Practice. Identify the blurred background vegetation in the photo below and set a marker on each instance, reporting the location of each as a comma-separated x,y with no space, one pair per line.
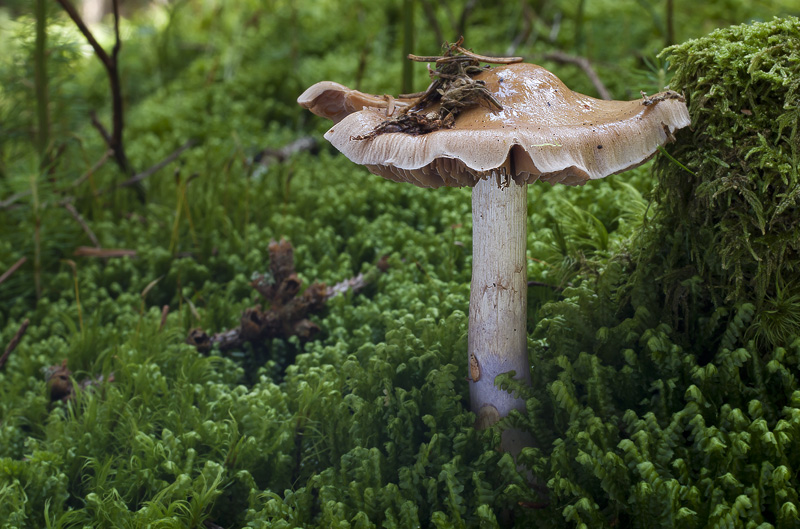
366,424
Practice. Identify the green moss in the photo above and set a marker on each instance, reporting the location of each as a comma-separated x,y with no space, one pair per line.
731,216
665,383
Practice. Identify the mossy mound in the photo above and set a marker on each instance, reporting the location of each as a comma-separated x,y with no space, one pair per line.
730,214
665,388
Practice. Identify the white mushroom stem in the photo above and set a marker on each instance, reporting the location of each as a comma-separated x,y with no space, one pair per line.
498,303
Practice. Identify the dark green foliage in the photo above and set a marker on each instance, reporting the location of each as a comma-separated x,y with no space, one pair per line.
731,215
667,379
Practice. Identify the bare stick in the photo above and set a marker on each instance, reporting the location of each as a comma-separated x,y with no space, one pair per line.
87,251
14,342
93,169
13,198
269,156
76,17
101,129
160,165
111,63
584,64
164,312
467,55
490,60
13,269
86,229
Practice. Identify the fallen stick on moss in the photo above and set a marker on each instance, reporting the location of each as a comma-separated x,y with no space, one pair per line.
288,310
157,167
88,251
268,156
80,220
14,342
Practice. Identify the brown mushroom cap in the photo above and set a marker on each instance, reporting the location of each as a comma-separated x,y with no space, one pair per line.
335,101
544,131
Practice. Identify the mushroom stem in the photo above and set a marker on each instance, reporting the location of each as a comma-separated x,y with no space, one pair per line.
498,303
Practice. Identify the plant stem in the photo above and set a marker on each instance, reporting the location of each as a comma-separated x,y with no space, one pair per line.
408,45
40,74
498,304
670,16
580,39
37,243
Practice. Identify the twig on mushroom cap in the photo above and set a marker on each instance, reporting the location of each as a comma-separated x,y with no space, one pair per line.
453,88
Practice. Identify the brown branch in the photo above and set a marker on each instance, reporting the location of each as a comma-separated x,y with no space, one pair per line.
269,156
14,342
288,310
87,251
116,96
491,60
102,130
164,313
86,229
13,198
93,169
354,284
584,64
111,64
157,167
13,269
76,18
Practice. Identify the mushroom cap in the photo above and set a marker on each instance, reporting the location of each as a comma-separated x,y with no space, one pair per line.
335,101
545,131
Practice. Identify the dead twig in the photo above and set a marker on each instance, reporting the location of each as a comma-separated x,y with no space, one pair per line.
487,59
87,251
13,269
268,156
13,198
93,169
111,64
453,87
164,313
101,129
584,64
14,342
288,309
86,229
157,167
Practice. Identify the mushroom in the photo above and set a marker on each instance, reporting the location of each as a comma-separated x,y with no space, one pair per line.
543,131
